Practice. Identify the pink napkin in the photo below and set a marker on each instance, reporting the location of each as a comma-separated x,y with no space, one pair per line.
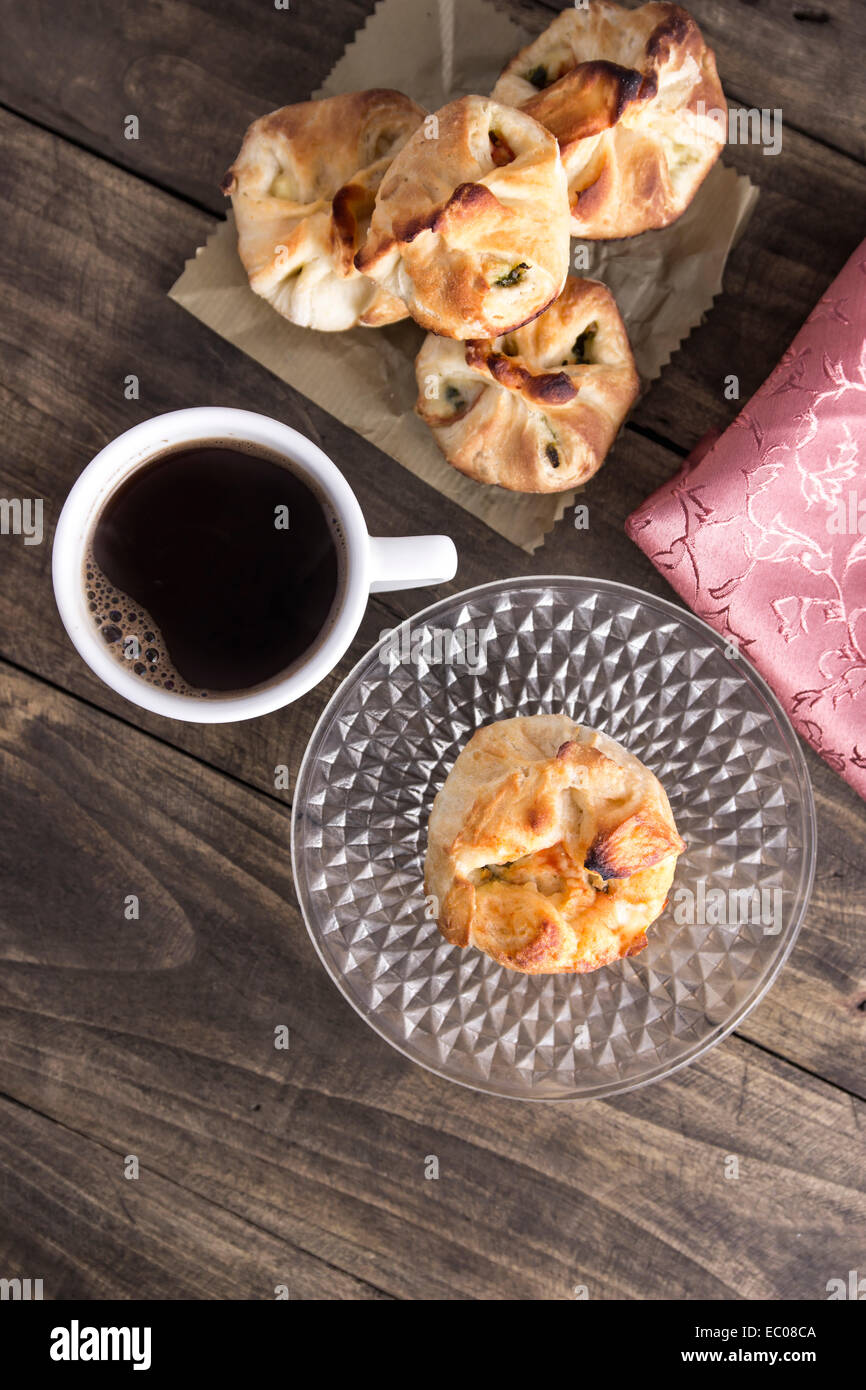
763,532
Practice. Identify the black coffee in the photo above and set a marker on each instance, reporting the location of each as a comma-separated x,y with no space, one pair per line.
212,569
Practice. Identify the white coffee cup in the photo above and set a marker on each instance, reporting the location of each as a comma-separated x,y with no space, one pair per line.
371,563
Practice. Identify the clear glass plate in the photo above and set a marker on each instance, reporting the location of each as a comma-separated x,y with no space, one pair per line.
661,682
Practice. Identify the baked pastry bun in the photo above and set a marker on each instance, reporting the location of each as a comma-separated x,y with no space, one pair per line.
303,189
550,847
471,223
535,410
621,91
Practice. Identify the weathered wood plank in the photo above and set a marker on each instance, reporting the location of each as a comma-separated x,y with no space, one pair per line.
146,1238
196,74
160,1033
156,1038
69,340
187,70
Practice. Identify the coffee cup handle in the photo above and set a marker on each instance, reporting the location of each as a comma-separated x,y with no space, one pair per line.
410,562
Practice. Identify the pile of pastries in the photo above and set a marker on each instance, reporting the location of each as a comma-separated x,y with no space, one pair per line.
364,209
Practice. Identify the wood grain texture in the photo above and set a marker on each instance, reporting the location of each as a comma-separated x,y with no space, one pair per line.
156,1038
102,1235
158,1035
71,339
197,73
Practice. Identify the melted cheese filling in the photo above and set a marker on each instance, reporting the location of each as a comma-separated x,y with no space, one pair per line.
551,871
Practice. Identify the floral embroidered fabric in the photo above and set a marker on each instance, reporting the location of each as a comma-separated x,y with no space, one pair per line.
763,532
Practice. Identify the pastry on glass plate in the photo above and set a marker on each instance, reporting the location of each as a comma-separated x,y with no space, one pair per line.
535,410
629,95
303,188
471,223
550,847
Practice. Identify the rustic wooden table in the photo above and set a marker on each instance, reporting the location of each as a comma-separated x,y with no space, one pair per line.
155,1038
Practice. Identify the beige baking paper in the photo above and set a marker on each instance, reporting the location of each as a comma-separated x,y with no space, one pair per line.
664,281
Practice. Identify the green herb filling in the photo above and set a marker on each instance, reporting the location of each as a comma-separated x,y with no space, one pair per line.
583,343
512,276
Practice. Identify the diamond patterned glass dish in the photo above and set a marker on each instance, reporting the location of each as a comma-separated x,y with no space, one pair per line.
659,681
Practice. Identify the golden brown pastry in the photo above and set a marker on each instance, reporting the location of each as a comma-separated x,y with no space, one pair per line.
303,189
471,223
538,409
622,92
550,847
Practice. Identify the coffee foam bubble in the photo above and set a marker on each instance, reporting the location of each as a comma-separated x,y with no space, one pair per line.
130,634
127,629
